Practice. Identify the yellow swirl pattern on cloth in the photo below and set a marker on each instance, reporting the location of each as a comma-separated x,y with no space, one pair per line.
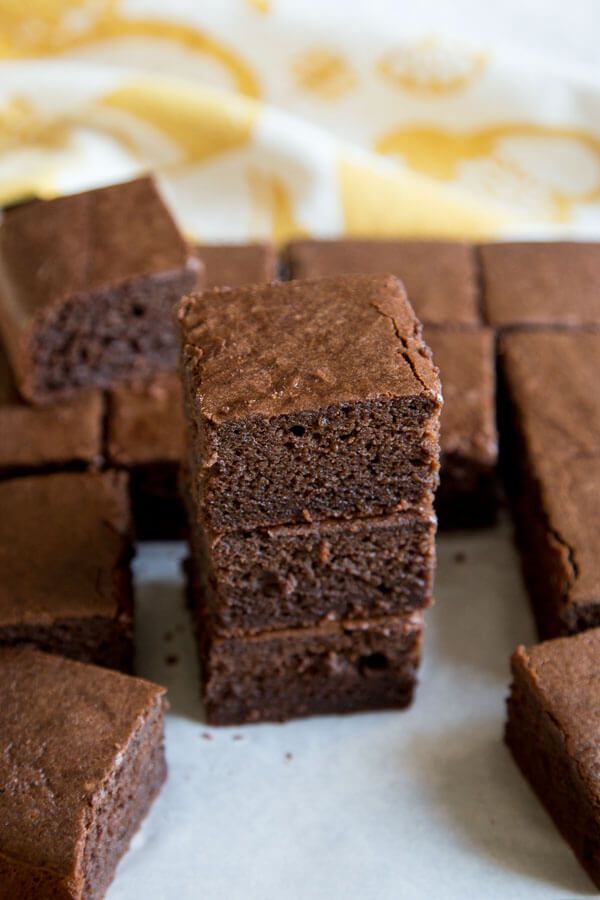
261,123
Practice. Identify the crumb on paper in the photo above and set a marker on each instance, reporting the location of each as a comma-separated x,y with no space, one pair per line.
206,736
288,757
460,557
172,659
237,737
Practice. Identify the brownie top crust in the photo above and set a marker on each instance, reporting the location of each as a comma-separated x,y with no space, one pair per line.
145,421
270,350
552,381
569,494
65,727
466,362
440,276
63,538
236,264
538,283
564,676
36,437
84,243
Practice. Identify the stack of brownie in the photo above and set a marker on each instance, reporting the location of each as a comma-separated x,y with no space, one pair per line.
313,413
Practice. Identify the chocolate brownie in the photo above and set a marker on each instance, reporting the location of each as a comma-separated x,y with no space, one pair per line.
467,493
293,576
145,434
34,439
235,264
335,667
81,761
87,286
550,403
308,400
553,732
65,548
558,522
440,277
530,283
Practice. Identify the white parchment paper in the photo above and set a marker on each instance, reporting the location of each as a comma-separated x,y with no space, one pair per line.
389,806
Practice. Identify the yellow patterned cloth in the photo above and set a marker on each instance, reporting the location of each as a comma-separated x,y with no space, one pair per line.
265,117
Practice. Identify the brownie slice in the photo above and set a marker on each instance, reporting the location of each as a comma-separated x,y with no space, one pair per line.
308,400
145,434
547,284
37,439
467,495
300,575
550,402
65,548
81,761
87,286
440,276
335,667
558,522
232,265
553,732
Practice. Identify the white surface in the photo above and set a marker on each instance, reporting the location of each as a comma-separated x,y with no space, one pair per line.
391,806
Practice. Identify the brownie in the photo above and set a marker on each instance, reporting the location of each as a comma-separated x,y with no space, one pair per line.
145,435
87,286
558,522
553,732
440,276
550,403
467,495
36,439
81,761
308,400
291,576
65,548
547,284
335,667
235,264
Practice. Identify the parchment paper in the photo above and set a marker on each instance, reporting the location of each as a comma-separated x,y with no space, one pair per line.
410,805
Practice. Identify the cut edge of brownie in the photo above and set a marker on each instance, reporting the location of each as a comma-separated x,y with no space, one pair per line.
299,576
539,747
330,669
127,333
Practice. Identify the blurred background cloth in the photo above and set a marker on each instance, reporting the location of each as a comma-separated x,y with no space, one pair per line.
278,118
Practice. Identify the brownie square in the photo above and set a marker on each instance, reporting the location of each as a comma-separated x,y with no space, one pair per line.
65,548
558,522
37,439
333,668
551,284
308,400
232,265
553,732
145,434
81,761
550,403
440,277
297,576
467,495
87,286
